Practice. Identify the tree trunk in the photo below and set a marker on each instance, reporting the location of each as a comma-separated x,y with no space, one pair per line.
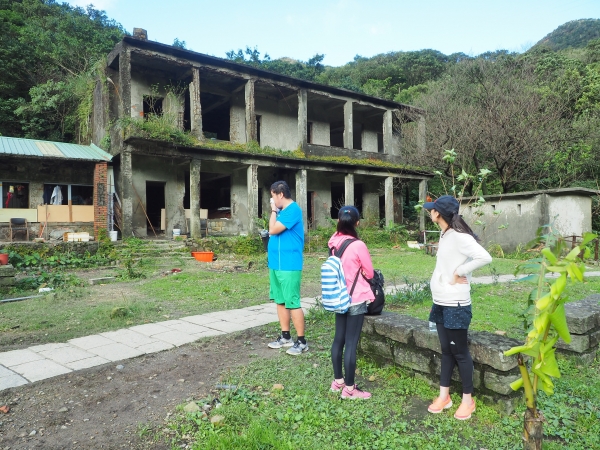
533,430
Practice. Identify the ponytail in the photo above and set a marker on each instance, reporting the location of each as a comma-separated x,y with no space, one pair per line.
457,223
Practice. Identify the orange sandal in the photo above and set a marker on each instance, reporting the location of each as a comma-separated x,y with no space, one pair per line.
465,411
439,405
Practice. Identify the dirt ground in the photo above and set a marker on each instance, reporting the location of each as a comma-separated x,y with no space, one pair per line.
107,408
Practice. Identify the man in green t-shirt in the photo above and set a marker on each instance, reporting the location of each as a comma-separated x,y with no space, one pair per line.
286,244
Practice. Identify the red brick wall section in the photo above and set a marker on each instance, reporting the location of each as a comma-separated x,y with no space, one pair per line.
100,197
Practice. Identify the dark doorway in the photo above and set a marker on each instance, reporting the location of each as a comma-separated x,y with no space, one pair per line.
382,210
310,214
338,198
215,194
155,201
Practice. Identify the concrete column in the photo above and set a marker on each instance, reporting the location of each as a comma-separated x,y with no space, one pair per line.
250,112
195,106
387,132
252,177
195,227
127,194
349,189
302,196
422,197
302,117
389,201
348,125
370,202
421,141
125,81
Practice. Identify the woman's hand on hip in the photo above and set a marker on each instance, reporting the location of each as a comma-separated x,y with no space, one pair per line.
457,279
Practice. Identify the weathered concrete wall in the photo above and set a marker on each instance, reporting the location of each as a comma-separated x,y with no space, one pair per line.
141,84
239,202
321,133
573,214
369,141
161,170
522,214
53,230
370,205
279,124
321,186
237,119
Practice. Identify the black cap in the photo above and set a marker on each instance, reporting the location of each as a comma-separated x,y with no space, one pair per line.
350,211
446,205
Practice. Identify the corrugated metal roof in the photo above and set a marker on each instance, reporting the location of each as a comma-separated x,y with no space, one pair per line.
47,149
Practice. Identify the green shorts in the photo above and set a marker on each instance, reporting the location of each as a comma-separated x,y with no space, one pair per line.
285,287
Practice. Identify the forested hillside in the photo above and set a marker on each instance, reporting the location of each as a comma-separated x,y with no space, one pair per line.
48,52
532,119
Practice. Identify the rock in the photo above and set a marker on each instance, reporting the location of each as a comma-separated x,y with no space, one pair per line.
217,421
277,387
33,433
63,427
191,407
500,333
372,378
206,407
63,409
120,367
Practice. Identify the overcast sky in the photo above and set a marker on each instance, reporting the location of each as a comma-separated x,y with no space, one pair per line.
342,29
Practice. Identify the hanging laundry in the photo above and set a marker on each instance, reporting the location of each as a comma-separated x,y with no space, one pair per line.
57,197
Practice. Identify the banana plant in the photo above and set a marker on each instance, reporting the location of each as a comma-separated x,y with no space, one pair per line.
546,322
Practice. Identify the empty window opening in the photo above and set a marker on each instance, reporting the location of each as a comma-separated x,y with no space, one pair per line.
258,123
215,116
155,202
310,216
380,148
309,132
338,198
336,134
519,208
153,106
15,194
81,195
215,194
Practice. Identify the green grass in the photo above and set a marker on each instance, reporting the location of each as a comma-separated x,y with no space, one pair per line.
305,415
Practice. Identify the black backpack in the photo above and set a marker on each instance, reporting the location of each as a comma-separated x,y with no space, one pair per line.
375,307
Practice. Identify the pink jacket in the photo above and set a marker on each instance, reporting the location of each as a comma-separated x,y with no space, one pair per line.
356,256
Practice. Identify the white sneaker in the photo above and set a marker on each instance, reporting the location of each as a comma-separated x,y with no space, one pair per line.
297,349
281,342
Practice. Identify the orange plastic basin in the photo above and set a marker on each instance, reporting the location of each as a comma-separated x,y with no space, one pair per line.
203,256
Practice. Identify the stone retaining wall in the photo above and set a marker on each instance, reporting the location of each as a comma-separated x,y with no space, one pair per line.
407,342
7,276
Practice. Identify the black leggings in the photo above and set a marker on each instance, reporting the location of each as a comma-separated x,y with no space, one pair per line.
455,350
347,333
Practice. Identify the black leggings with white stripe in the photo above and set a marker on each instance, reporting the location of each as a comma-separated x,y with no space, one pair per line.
455,351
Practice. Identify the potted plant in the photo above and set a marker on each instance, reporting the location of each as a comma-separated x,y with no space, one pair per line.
3,258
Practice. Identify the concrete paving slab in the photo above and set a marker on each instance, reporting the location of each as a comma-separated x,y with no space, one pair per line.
242,318
157,346
87,363
115,351
89,342
185,327
201,319
128,337
66,354
4,372
149,329
17,357
209,333
44,347
175,337
227,327
40,370
12,381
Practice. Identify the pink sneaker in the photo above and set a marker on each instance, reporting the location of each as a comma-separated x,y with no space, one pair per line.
355,393
336,387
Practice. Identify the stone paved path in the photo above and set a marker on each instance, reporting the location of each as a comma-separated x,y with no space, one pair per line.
18,367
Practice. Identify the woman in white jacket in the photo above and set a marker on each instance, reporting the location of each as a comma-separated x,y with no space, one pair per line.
458,255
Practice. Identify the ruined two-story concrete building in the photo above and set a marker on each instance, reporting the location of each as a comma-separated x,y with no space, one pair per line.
332,146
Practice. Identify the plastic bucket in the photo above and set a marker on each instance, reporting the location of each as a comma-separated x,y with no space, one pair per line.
203,256
113,235
176,232
3,259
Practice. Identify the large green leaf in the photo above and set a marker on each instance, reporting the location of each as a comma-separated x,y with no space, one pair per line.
559,322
